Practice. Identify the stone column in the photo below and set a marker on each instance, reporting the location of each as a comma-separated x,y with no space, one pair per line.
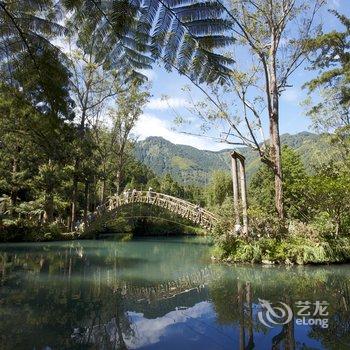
243,195
235,188
239,187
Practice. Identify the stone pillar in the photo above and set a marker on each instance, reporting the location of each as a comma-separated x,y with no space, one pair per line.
235,189
243,195
238,170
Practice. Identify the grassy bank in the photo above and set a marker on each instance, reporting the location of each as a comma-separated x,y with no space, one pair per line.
292,249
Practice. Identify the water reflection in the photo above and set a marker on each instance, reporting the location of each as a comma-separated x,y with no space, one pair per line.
158,293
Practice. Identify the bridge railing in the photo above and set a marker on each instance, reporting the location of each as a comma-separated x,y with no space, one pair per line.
185,209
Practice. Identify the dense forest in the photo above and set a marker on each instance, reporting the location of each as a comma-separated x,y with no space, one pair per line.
72,89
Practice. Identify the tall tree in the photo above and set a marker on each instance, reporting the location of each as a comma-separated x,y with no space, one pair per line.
271,34
92,86
129,104
34,150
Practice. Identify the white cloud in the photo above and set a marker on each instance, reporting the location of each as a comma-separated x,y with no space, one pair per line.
149,125
149,331
291,95
162,104
146,331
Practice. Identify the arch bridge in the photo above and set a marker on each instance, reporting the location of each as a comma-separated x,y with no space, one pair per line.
192,212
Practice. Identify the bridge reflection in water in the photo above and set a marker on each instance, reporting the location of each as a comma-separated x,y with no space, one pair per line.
192,212
196,288
157,294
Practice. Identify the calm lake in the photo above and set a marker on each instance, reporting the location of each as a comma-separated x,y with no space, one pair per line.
164,293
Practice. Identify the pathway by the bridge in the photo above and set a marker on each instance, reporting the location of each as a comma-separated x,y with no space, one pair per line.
192,212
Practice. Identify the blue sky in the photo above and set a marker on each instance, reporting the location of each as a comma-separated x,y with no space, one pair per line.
158,118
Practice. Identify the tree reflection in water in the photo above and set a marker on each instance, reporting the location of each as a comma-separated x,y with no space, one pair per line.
106,295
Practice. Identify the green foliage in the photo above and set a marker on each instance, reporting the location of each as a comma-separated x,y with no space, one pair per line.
261,190
119,224
219,188
293,249
137,34
56,167
154,183
262,223
169,186
160,227
23,230
322,222
317,207
330,190
181,163
27,27
332,59
295,182
38,169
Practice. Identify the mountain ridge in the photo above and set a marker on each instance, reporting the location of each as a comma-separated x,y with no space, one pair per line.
190,165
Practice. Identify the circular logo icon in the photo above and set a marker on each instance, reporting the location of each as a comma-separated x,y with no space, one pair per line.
271,316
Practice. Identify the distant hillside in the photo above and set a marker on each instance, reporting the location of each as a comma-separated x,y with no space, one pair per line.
191,165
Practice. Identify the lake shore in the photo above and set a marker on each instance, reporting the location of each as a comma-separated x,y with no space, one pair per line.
292,250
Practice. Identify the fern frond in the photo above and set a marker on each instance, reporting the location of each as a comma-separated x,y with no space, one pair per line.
183,34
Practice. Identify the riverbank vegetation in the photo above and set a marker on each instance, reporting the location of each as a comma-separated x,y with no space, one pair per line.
317,224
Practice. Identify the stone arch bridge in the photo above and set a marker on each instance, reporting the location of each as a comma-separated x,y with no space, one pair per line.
192,212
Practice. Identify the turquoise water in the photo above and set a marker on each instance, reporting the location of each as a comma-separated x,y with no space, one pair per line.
164,293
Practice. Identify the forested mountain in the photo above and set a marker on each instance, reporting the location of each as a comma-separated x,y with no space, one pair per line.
191,165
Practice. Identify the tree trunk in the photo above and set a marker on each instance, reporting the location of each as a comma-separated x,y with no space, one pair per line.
277,165
74,195
49,207
103,191
118,181
275,142
74,204
120,168
81,132
92,195
86,201
13,194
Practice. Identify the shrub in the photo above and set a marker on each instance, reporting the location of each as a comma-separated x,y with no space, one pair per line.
322,223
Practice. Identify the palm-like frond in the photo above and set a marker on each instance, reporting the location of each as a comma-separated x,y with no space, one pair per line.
26,27
183,34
